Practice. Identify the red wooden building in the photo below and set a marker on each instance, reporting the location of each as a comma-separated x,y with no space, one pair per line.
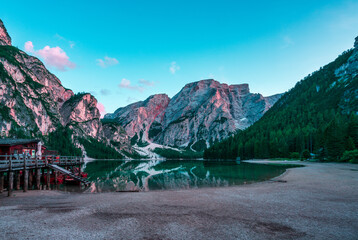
11,146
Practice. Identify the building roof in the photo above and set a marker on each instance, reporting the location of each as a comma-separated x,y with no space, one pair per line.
15,141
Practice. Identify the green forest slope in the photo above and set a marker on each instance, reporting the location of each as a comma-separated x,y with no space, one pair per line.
317,116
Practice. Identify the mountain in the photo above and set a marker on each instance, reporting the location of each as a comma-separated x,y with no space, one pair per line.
137,118
200,114
5,38
33,103
317,116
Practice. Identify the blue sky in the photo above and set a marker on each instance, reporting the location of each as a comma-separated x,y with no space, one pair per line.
125,51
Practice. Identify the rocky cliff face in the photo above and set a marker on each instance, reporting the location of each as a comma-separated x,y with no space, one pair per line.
29,92
5,39
137,118
201,113
348,80
117,136
34,103
80,113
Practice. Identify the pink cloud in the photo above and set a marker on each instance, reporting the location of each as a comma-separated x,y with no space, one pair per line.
53,56
29,47
101,108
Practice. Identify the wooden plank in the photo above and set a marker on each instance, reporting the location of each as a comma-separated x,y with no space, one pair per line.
66,172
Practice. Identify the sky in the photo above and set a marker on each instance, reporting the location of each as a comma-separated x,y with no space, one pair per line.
125,51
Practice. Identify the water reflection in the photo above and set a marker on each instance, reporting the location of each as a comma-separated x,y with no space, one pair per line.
159,175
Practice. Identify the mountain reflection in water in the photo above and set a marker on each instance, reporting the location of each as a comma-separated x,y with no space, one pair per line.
146,175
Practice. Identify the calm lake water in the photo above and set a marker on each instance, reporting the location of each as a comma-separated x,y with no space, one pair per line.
146,175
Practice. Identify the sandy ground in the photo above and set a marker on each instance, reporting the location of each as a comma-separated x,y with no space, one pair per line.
319,201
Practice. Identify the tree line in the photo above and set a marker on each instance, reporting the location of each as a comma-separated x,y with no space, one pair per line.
315,119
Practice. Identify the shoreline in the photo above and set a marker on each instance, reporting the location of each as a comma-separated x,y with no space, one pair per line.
316,201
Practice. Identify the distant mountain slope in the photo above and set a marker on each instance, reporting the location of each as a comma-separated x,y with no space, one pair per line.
200,114
318,115
138,117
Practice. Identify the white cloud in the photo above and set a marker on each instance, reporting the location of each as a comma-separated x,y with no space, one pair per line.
174,67
52,56
59,37
105,92
287,41
146,83
125,83
131,100
72,44
141,86
106,62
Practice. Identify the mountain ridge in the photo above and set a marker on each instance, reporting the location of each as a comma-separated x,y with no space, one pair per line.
183,121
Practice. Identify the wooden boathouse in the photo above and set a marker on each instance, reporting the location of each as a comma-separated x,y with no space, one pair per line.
27,164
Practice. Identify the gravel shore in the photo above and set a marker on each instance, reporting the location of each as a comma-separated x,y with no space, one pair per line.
318,201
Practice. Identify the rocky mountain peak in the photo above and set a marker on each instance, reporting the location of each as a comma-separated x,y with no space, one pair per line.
201,113
356,42
241,88
5,39
158,98
202,84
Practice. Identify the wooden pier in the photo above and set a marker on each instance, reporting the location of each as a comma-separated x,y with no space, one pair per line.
35,173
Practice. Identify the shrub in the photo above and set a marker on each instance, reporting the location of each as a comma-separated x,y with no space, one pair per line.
295,155
305,154
350,156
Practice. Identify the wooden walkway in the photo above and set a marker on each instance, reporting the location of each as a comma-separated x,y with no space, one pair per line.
22,170
66,172
16,162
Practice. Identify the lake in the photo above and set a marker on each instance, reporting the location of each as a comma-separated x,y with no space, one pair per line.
148,175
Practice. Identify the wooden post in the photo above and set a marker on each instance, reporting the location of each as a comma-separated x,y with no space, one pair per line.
38,178
43,178
10,178
56,176
26,176
1,182
31,175
48,178
37,173
17,180
10,183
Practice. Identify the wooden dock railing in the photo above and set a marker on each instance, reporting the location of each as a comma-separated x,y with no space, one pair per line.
22,168
17,162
